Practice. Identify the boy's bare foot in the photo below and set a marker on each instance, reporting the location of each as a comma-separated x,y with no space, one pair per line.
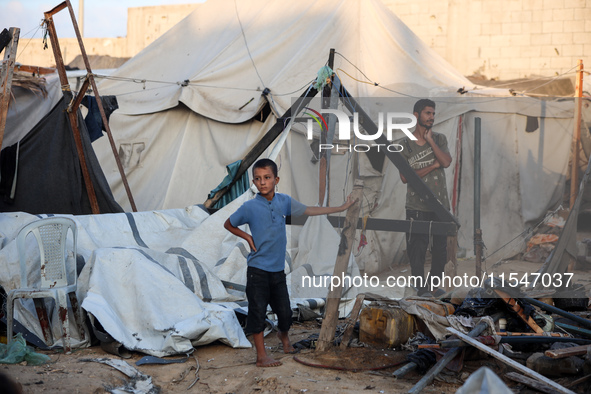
268,361
284,338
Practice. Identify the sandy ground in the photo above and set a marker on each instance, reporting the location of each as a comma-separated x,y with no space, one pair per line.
221,370
226,370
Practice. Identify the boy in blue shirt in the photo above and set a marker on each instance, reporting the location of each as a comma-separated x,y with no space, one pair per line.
265,276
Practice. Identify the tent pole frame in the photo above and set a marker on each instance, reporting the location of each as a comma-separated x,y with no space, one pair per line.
61,69
73,108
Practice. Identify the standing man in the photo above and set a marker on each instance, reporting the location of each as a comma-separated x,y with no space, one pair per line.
428,156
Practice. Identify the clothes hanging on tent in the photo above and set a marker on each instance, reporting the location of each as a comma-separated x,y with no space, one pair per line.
93,120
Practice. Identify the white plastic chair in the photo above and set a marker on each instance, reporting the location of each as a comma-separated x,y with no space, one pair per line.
51,234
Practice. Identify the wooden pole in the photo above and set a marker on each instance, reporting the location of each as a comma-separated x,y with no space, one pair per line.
539,386
34,69
99,102
350,322
72,116
574,178
6,78
567,352
329,323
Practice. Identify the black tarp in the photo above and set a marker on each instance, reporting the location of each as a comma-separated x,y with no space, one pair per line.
49,176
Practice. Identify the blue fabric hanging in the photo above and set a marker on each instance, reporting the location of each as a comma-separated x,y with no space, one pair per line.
239,187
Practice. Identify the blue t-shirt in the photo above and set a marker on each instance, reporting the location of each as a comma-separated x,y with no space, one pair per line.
266,220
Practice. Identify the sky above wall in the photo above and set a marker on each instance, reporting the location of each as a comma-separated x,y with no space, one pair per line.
102,18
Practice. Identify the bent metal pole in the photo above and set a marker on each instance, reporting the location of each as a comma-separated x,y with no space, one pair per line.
61,70
90,78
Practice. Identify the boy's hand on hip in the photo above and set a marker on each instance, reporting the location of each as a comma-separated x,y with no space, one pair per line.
251,243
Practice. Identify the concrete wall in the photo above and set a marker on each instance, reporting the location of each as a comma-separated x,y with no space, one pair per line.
31,52
503,39
144,25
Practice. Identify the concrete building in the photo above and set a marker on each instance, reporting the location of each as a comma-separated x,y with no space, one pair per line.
501,39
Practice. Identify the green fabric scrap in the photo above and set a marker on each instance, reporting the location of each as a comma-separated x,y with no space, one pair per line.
239,187
323,74
17,351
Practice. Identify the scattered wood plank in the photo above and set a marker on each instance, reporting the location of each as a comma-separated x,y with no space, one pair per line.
519,378
351,320
514,305
578,381
515,365
567,352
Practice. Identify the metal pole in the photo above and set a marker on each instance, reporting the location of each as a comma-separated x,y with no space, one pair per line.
99,102
477,174
477,148
550,308
574,178
478,251
61,69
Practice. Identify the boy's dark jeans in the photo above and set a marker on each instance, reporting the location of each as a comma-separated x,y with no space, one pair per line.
266,288
416,248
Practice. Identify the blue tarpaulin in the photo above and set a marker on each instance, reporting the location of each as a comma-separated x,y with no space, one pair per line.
237,188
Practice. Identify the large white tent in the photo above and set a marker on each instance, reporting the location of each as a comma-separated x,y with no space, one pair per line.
189,105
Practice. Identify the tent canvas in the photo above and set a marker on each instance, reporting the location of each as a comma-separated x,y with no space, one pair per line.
41,172
184,116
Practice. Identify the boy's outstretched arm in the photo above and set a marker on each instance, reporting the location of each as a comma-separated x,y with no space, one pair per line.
315,211
239,233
